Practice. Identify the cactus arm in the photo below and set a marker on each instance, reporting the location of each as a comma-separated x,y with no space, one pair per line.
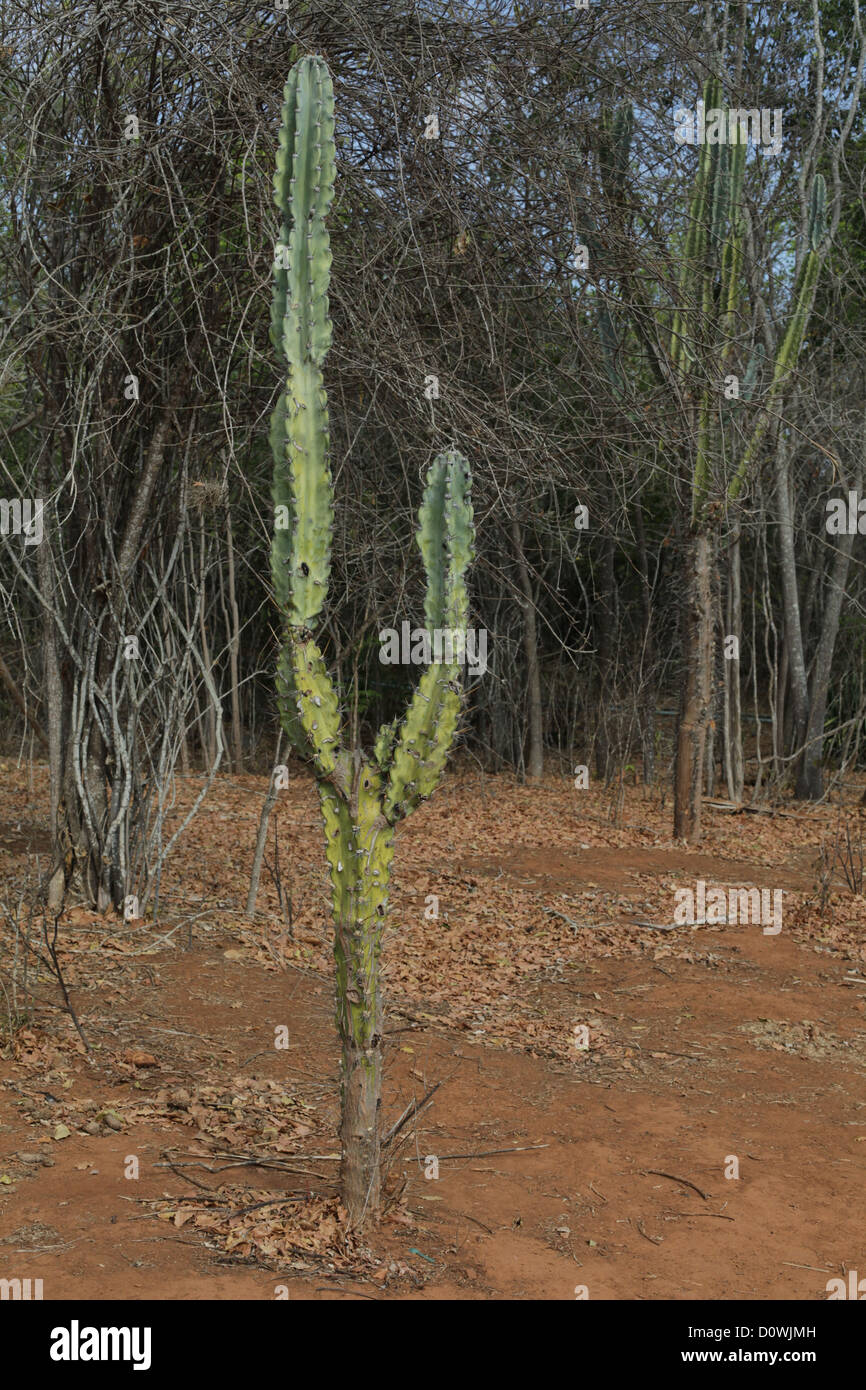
623,129
615,148
423,741
282,198
732,253
445,537
304,681
303,191
789,348
383,748
458,540
300,553
747,387
694,254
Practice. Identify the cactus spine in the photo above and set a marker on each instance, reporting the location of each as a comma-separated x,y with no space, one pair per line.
362,798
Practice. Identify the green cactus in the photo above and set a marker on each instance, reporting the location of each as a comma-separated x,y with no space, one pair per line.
701,348
362,798
788,351
709,297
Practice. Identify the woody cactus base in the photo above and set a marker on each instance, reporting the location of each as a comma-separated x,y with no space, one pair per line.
362,796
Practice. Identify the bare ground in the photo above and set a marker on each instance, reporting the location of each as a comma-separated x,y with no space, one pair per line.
712,1052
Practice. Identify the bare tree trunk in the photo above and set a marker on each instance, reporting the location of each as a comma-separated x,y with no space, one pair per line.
261,838
209,741
535,760
695,712
604,622
734,765
810,772
783,718
647,653
53,699
234,650
791,600
710,760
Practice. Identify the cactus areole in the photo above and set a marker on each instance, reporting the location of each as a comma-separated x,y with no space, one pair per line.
362,796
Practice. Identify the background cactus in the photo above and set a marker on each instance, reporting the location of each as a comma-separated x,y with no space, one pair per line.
700,351
361,797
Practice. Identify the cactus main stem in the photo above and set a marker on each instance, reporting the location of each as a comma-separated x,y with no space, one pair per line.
359,1025
359,844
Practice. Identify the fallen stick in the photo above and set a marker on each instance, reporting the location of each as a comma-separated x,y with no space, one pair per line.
673,1178
490,1153
720,1215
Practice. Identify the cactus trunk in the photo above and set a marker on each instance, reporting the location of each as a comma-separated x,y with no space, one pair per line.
361,797
359,847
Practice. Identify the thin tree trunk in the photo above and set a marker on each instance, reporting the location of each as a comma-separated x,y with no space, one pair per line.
791,601
604,621
734,764
647,653
234,650
783,718
210,716
535,760
262,836
810,772
53,700
695,712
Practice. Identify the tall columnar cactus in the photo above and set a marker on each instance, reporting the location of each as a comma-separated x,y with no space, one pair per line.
700,350
362,797
702,345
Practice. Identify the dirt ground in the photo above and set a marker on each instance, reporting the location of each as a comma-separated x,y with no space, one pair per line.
708,1142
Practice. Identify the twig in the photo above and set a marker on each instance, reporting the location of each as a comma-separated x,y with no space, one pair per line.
656,1240
51,947
720,1215
464,1216
413,1108
489,1153
673,1178
184,1176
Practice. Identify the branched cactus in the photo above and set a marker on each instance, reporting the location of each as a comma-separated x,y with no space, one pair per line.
701,351
710,296
362,797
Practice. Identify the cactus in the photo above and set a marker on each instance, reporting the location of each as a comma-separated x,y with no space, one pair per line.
700,349
362,797
709,290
